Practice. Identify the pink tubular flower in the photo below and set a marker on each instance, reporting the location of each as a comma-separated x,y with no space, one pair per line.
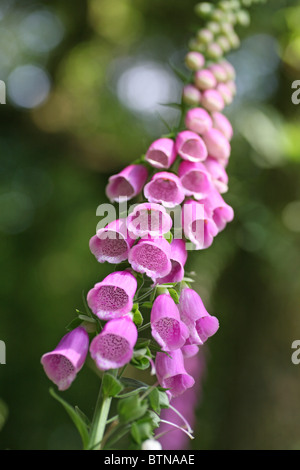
198,120
212,100
191,95
167,328
218,209
113,347
191,147
63,364
113,297
198,224
217,145
222,124
195,179
204,79
171,373
178,259
151,257
126,184
200,323
164,188
218,174
149,220
194,60
112,243
161,153
189,350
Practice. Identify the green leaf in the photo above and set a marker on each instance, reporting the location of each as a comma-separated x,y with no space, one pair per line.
163,399
77,420
171,105
141,430
132,383
147,304
174,294
74,324
131,408
154,400
111,385
140,352
83,416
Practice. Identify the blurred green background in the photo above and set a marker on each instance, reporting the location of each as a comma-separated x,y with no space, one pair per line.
84,82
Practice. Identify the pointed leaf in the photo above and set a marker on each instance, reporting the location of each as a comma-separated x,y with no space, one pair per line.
111,385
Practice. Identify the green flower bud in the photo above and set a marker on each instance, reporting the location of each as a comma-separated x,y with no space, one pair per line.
205,36
243,18
214,27
214,51
223,43
195,45
204,9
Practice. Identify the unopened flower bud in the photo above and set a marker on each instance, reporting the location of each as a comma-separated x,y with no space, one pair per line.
219,72
191,95
214,51
225,92
224,43
194,60
205,36
243,18
204,9
198,120
204,79
212,100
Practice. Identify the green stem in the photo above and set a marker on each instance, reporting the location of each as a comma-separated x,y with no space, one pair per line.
100,417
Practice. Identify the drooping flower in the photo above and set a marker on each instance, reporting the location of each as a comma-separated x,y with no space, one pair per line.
198,120
190,146
167,328
112,243
198,224
126,184
218,209
200,323
113,297
217,145
63,363
151,256
178,259
149,220
113,347
161,153
218,174
195,179
171,373
164,188
189,350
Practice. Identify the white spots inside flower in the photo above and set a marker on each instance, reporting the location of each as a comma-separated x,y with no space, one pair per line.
167,328
163,189
111,298
112,347
60,370
112,244
151,257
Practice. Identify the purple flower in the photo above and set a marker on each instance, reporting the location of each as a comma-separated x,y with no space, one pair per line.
164,188
161,153
218,174
198,224
222,124
178,259
212,100
191,95
112,243
217,145
126,184
191,147
113,297
149,219
189,350
151,257
63,364
167,328
195,179
198,120
171,373
218,209
200,323
113,347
